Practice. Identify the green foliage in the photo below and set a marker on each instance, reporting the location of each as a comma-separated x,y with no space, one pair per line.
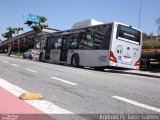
7,35
18,29
29,23
37,27
42,19
11,31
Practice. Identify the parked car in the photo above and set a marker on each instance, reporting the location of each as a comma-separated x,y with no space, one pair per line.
29,54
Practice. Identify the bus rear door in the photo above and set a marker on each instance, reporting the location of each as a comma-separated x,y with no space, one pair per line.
64,49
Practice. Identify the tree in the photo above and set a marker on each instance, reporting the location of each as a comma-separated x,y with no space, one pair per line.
9,33
158,25
37,26
18,29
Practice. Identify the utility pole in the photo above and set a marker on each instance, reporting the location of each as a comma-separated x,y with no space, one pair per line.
158,24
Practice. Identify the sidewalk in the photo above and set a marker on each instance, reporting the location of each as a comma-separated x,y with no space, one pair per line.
15,56
137,72
12,108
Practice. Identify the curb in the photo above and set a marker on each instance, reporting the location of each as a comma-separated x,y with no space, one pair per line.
132,73
11,56
15,56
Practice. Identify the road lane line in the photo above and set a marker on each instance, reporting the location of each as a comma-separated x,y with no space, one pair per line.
31,70
137,103
4,61
65,81
15,65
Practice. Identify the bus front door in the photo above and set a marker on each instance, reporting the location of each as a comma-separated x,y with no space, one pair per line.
64,50
48,48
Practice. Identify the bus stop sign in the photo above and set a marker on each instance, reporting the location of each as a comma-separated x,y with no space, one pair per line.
33,18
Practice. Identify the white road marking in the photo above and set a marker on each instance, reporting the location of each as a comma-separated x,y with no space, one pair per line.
11,88
43,105
4,61
65,81
137,103
47,107
15,65
31,70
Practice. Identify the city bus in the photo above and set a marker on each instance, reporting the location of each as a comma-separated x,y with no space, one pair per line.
99,46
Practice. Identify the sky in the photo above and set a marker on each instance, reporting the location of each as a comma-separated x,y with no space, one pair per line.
62,14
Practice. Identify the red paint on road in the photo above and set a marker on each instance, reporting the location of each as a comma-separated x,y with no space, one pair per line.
10,104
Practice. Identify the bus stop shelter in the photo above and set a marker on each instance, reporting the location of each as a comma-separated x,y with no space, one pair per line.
23,41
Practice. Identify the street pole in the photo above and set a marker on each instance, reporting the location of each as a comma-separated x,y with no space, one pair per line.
13,44
18,46
41,38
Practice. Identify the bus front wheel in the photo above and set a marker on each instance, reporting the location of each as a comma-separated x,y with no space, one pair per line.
75,60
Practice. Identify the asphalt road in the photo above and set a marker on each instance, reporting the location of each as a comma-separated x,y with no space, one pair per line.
84,91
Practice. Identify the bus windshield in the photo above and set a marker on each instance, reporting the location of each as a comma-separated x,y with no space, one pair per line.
128,33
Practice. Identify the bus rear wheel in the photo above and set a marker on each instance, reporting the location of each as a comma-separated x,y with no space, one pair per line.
99,68
75,60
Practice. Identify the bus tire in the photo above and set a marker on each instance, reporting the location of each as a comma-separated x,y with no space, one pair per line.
41,57
99,68
75,60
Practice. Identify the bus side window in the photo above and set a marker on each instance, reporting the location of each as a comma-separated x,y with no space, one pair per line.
81,40
73,44
58,43
106,37
74,41
89,41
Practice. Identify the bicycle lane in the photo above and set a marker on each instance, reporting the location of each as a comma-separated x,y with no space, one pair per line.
12,107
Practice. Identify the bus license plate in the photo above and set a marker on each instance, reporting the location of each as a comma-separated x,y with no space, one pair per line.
126,59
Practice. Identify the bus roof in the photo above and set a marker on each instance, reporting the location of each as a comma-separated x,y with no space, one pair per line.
68,30
127,26
86,23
